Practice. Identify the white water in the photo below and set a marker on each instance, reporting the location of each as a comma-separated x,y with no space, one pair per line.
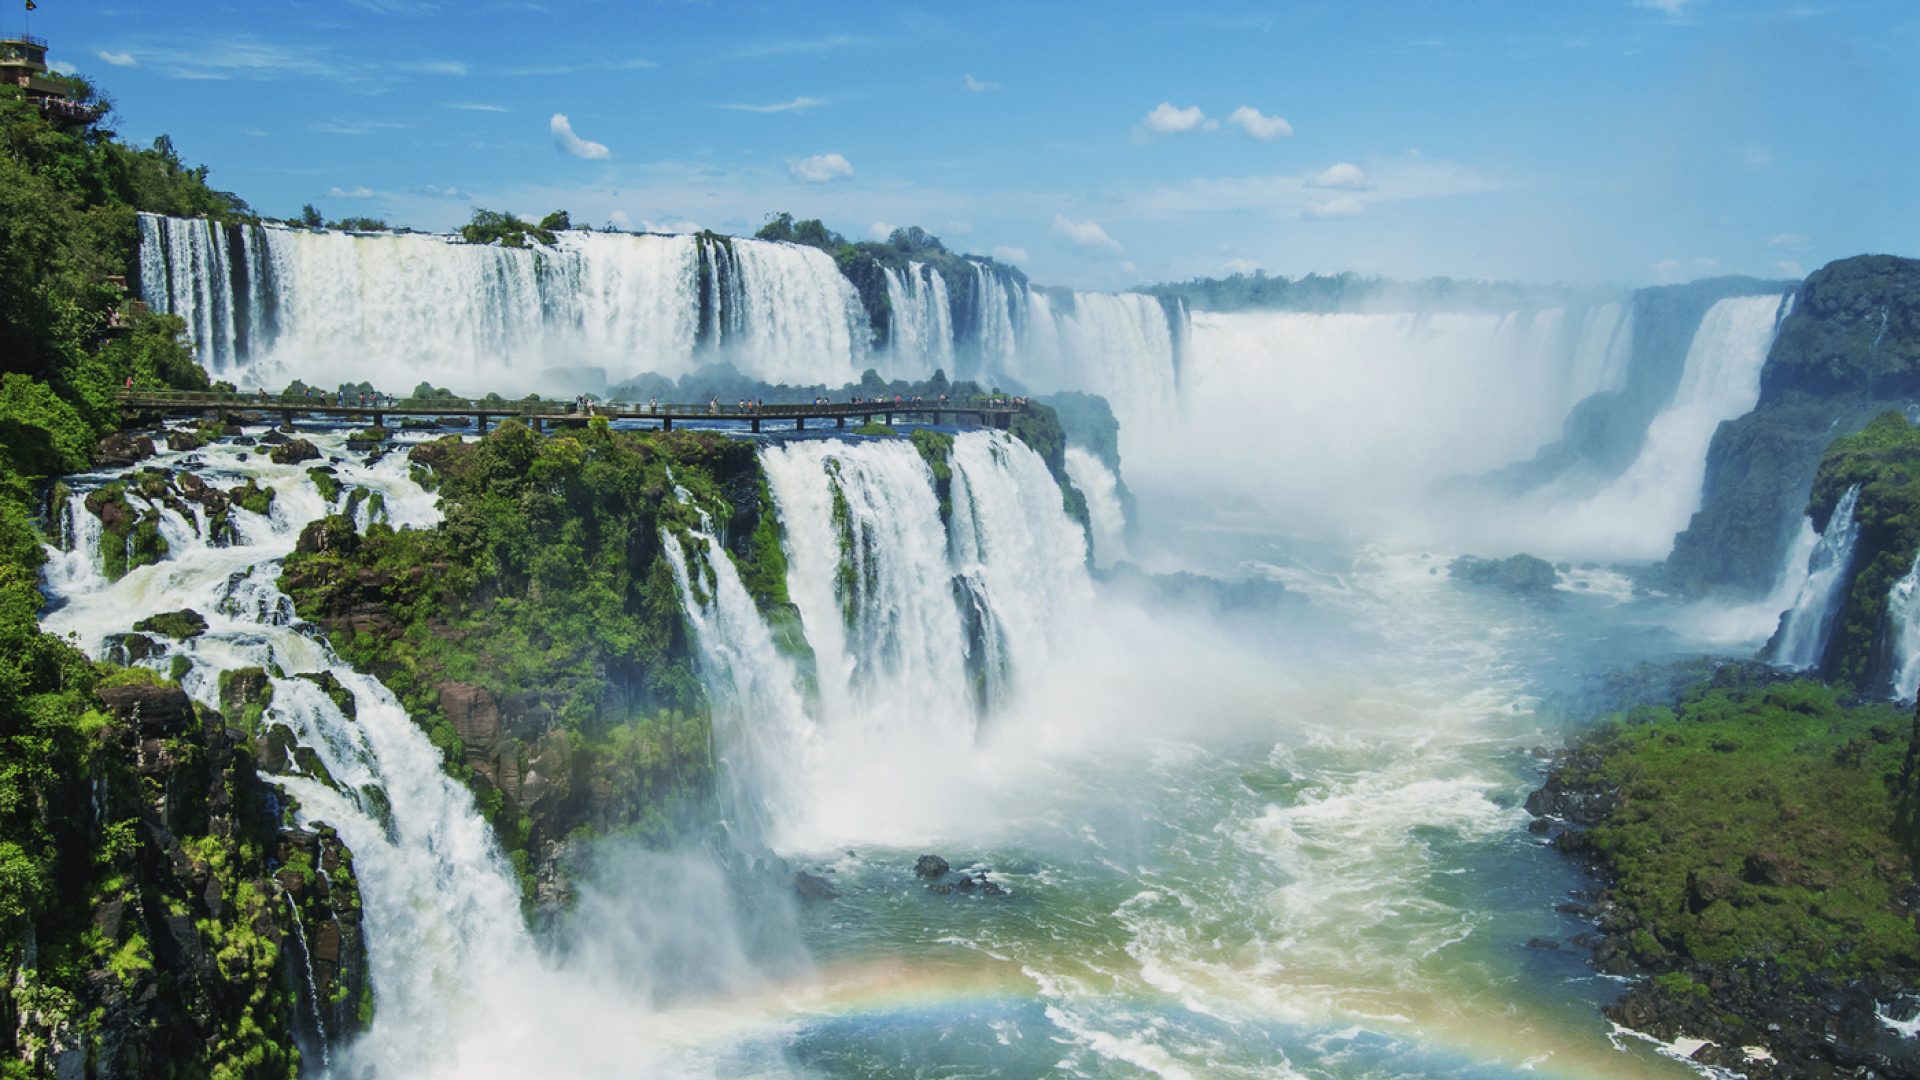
1903,612
885,595
1353,415
1639,513
1806,626
922,322
1101,488
459,987
765,740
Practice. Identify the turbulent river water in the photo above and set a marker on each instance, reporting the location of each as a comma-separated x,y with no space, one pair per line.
1280,840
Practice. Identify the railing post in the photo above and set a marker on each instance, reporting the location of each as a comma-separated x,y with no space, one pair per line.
840,422
799,423
666,423
481,421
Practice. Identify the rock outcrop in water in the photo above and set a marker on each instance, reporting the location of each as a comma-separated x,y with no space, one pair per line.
1849,349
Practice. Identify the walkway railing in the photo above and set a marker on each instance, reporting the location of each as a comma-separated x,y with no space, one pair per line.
993,411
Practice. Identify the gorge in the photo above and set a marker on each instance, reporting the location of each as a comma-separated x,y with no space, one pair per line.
1315,677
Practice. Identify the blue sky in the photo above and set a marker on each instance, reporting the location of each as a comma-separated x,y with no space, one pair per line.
1095,145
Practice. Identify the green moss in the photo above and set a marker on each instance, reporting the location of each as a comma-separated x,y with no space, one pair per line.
876,428
251,496
1760,823
327,483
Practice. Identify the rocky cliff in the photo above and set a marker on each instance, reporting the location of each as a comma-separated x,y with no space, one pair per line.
1849,349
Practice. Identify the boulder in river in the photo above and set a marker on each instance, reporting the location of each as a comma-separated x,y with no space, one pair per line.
930,866
293,452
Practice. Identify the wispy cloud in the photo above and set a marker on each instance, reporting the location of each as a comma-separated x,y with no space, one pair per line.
118,59
1672,9
820,168
1084,234
1790,241
1343,206
1262,127
350,193
355,127
978,86
396,7
1008,254
569,143
1240,266
796,105
1345,176
476,106
431,67
437,191
800,46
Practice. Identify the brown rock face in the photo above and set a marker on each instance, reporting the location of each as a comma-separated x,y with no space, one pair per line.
155,710
120,450
475,715
293,452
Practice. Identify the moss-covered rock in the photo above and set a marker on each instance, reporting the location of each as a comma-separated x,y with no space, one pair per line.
180,625
1755,843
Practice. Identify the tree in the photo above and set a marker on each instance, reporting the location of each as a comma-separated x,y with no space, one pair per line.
310,218
811,232
558,221
915,240
492,226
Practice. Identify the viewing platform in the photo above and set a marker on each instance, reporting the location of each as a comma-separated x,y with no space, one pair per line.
995,412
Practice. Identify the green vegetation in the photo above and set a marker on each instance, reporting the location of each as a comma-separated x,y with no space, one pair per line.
1760,822
507,230
539,625
1883,459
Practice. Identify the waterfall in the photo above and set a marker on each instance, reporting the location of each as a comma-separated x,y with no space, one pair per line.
1805,627
765,737
313,986
997,321
446,942
1638,513
275,303
1100,487
803,319
1903,612
914,624
922,321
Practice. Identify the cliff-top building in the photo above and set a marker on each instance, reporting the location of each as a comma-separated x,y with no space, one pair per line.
23,63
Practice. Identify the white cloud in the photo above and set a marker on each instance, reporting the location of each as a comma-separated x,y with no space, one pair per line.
64,67
396,7
820,168
795,105
118,59
1789,268
1345,176
1008,254
1343,206
1668,271
1790,241
957,228
1673,9
1087,234
569,143
1167,120
1241,266
620,219
475,106
1260,127
977,86
436,191
350,193
1755,157
880,230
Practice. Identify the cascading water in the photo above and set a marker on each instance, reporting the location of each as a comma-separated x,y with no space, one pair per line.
1100,487
766,741
921,322
1903,613
1638,513
1805,627
442,915
912,623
